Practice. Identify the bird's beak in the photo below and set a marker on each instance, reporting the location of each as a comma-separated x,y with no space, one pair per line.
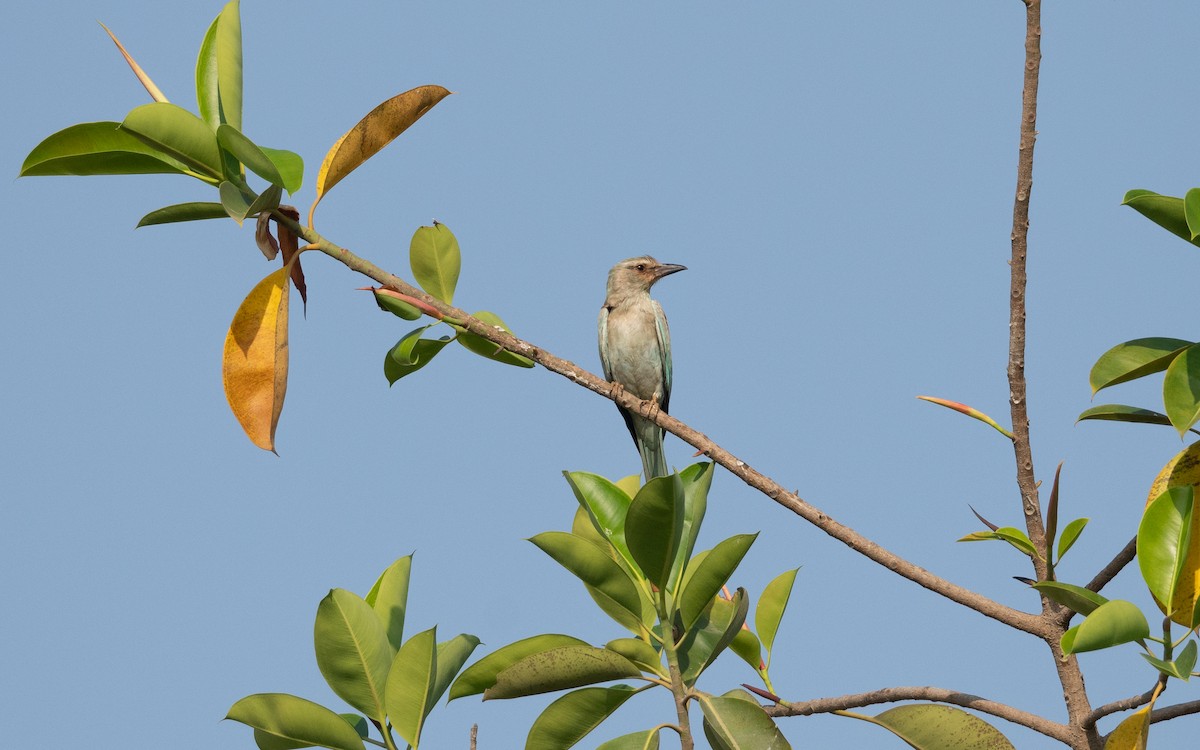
666,269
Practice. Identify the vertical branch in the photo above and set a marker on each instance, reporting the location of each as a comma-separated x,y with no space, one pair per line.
1069,674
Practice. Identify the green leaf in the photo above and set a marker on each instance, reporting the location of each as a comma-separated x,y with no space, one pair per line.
410,354
560,669
353,652
229,64
248,153
179,134
711,634
1075,598
1181,389
288,164
936,727
771,605
1191,213
644,740
1070,534
451,656
397,307
697,479
482,674
410,685
435,260
1111,624
640,653
208,98
1123,413
569,719
485,348
237,203
389,598
711,574
1010,534
1163,540
582,526
591,564
606,505
94,148
1180,668
739,724
746,645
1163,210
184,212
267,200
1134,359
296,719
654,527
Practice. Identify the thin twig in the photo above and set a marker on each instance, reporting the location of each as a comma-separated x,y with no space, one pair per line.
474,735
1038,724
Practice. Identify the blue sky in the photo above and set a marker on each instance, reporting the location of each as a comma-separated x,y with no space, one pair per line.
837,177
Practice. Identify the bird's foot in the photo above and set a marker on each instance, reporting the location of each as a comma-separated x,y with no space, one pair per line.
615,389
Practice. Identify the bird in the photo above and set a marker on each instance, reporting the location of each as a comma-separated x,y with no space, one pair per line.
635,350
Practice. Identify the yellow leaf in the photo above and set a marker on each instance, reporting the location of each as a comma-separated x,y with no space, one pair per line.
1134,732
256,358
379,128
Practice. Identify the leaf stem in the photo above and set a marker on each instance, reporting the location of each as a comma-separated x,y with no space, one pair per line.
678,689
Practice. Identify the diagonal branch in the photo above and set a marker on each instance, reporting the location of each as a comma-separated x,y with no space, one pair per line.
1012,617
1038,724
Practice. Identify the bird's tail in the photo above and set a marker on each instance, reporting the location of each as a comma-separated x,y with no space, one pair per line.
650,446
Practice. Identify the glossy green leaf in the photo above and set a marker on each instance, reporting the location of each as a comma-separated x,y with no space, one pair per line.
291,718
936,727
572,717
485,348
739,724
236,202
208,98
436,260
1180,668
184,212
710,575
410,354
560,668
1111,624
179,134
640,653
591,564
654,527
288,164
396,307
606,505
645,740
248,153
1075,598
771,605
1163,539
267,200
482,674
711,634
582,526
1191,213
389,598
353,652
1181,389
697,480
1070,535
94,148
746,645
1014,536
229,64
408,695
451,656
1123,413
1134,359
1164,210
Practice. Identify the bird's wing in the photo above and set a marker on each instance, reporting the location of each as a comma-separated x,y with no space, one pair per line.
603,339
664,348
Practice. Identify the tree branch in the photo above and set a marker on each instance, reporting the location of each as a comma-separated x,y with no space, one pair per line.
1038,724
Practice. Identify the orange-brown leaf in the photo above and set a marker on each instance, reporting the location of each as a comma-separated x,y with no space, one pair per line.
256,358
291,253
372,133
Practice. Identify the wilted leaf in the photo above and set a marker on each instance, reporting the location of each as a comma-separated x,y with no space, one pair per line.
266,241
933,727
1134,359
372,133
255,364
96,148
570,718
560,669
290,245
302,721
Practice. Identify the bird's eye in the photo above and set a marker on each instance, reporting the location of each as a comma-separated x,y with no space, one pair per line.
641,266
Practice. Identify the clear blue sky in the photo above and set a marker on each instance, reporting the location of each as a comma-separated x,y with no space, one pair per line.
837,177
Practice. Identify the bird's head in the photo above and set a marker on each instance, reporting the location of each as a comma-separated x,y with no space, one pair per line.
637,275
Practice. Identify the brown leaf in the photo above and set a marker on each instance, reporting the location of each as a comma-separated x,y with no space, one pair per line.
263,237
291,253
372,133
255,364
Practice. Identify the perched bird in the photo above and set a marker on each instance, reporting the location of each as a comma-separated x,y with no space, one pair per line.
635,350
